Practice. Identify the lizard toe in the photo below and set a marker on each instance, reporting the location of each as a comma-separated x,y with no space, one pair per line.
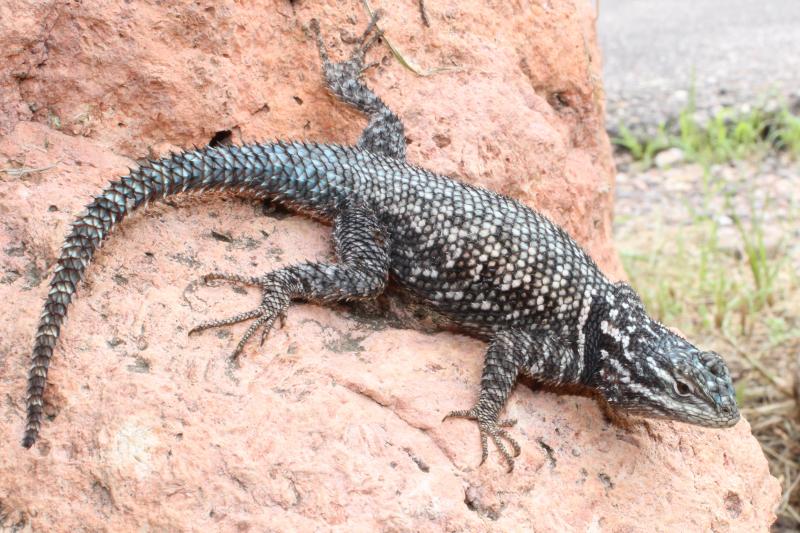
490,427
498,434
469,414
264,321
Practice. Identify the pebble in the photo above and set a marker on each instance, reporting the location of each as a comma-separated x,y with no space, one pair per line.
669,158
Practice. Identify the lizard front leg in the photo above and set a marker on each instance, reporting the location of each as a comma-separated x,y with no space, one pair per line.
363,269
540,355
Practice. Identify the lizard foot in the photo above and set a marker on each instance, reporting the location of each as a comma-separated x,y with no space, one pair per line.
339,73
489,426
275,299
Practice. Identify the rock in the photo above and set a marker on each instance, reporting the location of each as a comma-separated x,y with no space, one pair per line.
525,118
681,96
668,158
335,423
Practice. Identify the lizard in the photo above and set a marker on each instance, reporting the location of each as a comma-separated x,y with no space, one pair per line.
491,266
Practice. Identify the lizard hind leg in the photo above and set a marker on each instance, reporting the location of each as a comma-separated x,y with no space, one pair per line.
385,133
361,273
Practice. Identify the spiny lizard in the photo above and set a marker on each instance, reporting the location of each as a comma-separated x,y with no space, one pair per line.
493,267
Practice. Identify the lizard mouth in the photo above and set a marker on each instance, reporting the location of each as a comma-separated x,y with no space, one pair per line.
712,420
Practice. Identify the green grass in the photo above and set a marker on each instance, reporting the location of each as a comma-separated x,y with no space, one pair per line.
643,150
691,279
728,135
786,135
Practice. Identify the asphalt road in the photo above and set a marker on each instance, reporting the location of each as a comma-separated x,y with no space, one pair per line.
737,51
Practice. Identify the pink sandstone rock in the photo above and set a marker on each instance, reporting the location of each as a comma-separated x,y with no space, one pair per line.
335,424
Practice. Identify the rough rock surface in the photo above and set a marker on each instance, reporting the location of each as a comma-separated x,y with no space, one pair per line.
336,422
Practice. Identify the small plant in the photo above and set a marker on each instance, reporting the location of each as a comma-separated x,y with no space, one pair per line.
787,133
642,150
629,142
764,270
726,136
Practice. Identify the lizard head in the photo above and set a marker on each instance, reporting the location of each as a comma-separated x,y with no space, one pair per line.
647,369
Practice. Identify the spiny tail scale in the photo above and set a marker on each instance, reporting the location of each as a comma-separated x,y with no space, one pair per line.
302,175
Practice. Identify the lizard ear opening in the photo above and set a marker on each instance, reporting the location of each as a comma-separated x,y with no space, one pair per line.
625,291
625,294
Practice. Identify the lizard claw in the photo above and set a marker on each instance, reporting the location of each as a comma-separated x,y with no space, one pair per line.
354,66
366,42
281,317
493,428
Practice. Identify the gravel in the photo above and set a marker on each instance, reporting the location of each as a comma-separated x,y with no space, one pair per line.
737,53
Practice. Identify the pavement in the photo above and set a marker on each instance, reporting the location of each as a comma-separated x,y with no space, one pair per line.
735,52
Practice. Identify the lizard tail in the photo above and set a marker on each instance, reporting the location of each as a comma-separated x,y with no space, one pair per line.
274,170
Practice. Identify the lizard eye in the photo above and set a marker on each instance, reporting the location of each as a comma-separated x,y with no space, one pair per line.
682,388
